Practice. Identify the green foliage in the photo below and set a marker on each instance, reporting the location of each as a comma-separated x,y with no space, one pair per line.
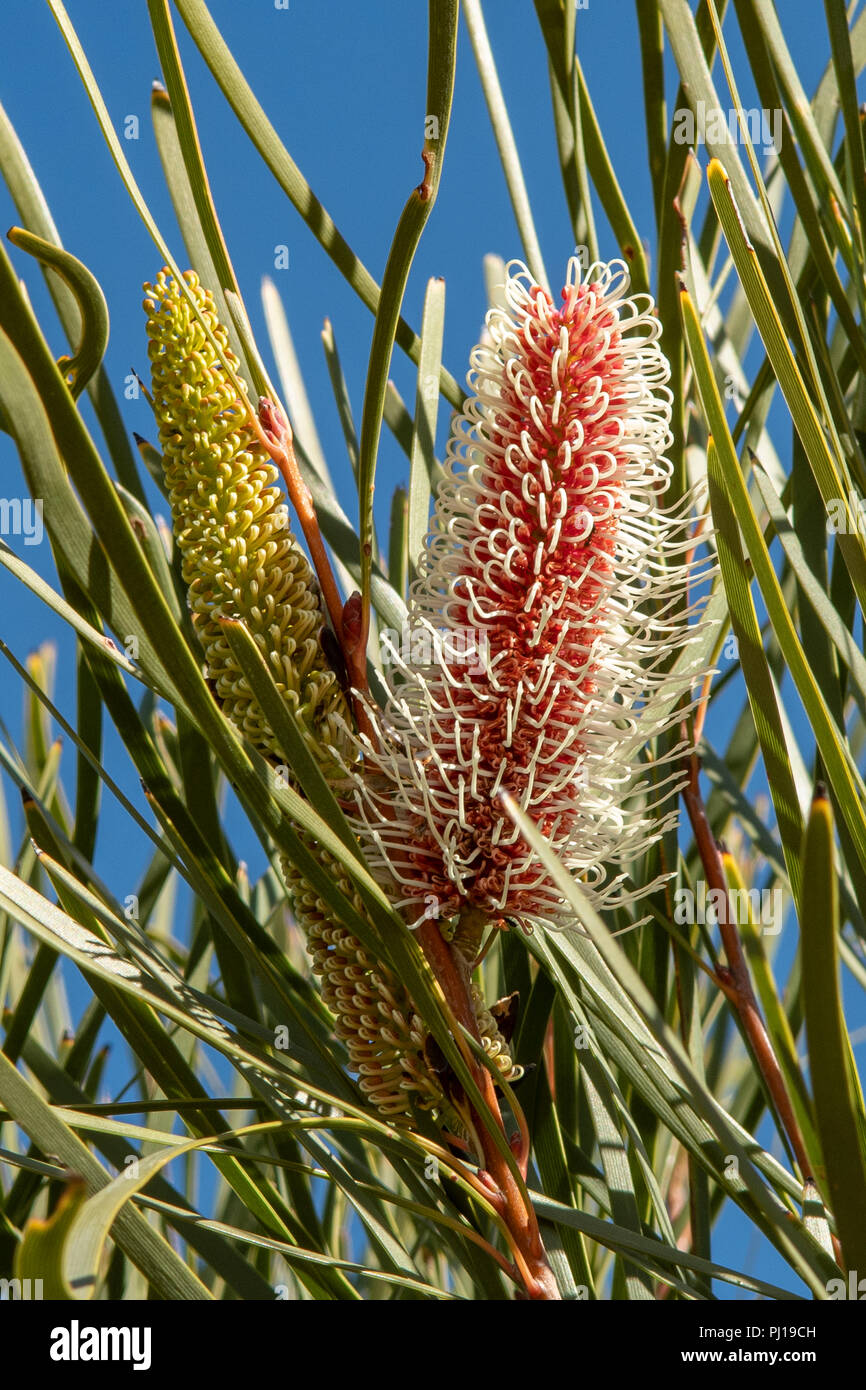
644,1090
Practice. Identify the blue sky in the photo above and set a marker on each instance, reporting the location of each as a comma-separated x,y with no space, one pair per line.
344,85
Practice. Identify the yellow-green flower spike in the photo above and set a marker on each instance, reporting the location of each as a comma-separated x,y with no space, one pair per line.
231,526
384,1037
374,1016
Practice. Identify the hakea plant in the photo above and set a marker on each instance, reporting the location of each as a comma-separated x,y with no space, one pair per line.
552,600
519,757
241,562
564,590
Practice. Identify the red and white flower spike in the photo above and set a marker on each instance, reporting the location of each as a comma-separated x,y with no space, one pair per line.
553,596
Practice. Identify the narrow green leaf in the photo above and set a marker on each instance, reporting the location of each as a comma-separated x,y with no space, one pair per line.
441,60
38,586
764,697
398,543
793,1241
825,610
826,464
39,1257
252,118
341,395
423,465
655,1254
838,1106
84,1236
34,213
842,770
609,192
504,136
61,1087
144,1246
183,198
287,731
614,1160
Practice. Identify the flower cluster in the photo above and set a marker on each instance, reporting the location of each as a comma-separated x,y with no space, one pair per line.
549,543
552,560
241,561
387,1043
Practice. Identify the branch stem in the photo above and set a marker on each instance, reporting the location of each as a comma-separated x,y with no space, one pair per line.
735,980
517,1212
275,434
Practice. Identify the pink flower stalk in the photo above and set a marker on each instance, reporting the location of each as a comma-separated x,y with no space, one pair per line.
552,598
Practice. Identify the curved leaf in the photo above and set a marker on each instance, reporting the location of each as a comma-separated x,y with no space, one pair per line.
79,369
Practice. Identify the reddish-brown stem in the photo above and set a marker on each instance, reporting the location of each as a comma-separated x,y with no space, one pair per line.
521,1144
517,1211
350,623
735,981
275,434
353,638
